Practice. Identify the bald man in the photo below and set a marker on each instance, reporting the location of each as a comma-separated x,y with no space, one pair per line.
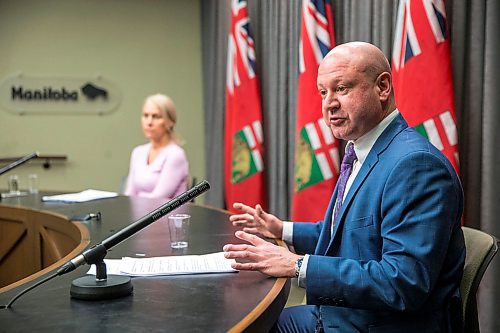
389,254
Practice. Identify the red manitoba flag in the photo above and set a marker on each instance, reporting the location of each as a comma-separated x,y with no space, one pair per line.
243,155
316,151
422,74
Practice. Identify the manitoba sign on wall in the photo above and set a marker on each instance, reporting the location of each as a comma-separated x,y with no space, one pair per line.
22,94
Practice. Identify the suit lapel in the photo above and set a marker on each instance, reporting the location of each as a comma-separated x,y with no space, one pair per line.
383,141
324,237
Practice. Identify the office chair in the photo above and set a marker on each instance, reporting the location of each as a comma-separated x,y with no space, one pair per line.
481,248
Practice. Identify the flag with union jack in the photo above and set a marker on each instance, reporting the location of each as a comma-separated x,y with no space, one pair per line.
243,156
422,73
316,150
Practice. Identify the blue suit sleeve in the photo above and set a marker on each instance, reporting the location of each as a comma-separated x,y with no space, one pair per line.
305,236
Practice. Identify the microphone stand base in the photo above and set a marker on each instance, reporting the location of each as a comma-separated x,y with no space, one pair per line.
89,289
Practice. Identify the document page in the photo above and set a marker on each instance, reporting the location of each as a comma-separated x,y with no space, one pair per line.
83,196
172,265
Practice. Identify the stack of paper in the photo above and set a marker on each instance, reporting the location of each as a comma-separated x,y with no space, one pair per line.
83,196
174,265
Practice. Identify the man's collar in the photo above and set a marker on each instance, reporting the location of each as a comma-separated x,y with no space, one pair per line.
364,144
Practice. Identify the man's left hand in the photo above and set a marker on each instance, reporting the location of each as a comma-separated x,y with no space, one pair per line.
262,256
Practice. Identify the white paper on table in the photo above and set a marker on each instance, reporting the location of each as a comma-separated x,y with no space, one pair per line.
112,267
173,265
83,196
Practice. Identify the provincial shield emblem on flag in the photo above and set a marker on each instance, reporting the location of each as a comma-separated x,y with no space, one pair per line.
307,171
311,162
242,165
246,157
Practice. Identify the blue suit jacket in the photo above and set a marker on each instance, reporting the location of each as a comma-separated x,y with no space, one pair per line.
395,258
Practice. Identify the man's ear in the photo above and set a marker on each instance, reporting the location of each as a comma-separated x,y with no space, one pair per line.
384,85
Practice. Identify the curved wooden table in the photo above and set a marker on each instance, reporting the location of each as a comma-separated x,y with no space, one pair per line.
234,302
34,242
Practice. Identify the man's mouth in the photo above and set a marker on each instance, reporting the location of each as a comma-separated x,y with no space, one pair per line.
335,121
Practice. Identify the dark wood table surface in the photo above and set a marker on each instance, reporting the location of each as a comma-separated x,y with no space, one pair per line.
243,301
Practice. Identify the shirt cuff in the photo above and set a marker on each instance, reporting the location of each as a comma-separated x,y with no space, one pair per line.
287,234
301,281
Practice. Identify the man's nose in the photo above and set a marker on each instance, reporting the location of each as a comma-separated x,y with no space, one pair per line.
331,103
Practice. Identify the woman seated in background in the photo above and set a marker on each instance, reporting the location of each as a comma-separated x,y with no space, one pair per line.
158,169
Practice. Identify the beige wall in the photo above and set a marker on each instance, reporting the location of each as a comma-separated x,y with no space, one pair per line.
143,47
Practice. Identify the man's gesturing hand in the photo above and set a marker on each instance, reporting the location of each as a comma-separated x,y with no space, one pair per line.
262,256
257,221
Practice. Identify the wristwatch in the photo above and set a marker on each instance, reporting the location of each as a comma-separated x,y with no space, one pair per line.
298,264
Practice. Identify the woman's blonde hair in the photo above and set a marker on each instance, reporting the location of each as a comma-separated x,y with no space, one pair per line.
167,107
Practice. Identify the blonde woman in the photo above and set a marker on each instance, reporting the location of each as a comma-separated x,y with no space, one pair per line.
158,169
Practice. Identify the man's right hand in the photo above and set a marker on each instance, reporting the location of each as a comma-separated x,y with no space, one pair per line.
257,221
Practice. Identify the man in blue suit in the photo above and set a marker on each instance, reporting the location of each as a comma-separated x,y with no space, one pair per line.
389,254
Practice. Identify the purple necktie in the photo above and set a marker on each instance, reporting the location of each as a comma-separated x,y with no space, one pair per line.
345,171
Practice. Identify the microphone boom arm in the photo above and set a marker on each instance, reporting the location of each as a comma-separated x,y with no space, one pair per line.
18,162
97,252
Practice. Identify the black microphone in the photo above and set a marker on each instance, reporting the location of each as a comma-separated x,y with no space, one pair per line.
112,286
18,162
103,286
97,252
